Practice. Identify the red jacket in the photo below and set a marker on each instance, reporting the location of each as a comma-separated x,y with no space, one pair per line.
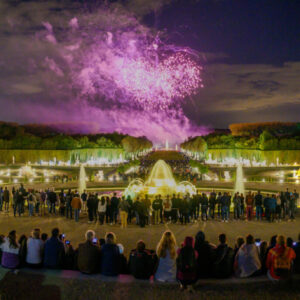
278,250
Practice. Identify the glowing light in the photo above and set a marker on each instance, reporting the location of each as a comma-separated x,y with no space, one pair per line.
281,180
15,180
152,190
161,175
227,175
140,77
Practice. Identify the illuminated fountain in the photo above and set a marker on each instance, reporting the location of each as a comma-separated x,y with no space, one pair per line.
160,181
26,171
82,179
239,180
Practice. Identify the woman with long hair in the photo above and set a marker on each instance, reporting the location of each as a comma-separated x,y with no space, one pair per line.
10,251
101,210
166,253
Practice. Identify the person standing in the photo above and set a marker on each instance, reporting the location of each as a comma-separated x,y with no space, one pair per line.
52,198
130,204
237,206
109,213
101,210
219,205
225,204
1,198
249,206
156,206
204,207
212,204
84,197
142,212
123,206
37,201
114,206
296,197
6,199
278,208
258,205
15,201
287,196
161,210
291,207
95,207
31,203
175,207
272,207
62,202
267,206
167,208
76,205
90,207
242,205
147,204
184,210
43,203
69,210
20,200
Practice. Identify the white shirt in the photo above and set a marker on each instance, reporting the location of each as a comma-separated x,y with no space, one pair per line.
5,247
34,251
101,208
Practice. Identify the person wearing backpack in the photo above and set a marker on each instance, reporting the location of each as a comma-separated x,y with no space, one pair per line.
187,263
223,259
279,260
31,203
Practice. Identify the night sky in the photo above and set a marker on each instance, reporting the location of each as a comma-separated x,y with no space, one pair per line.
249,51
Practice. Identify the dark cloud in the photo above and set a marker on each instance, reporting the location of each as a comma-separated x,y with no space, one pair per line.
247,93
34,58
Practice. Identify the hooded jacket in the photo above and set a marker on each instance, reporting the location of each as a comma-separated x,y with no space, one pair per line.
188,275
273,253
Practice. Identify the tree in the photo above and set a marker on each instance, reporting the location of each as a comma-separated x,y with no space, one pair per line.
267,141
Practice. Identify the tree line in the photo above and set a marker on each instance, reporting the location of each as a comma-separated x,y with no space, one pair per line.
43,137
258,136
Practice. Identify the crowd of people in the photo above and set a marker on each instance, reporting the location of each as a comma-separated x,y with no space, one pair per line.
194,259
143,211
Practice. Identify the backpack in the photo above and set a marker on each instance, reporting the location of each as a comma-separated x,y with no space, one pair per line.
282,264
186,261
